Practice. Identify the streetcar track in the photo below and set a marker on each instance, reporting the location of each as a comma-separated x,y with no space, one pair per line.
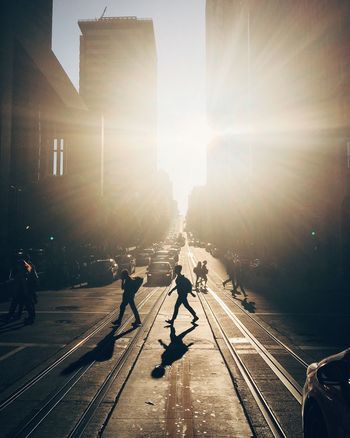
94,404
34,422
269,416
38,377
99,326
288,381
246,313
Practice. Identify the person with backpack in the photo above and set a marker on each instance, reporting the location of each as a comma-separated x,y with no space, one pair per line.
204,273
183,287
130,286
197,270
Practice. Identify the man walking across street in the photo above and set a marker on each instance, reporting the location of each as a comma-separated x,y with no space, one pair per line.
183,287
130,286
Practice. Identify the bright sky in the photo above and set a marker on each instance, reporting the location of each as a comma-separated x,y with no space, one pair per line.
180,38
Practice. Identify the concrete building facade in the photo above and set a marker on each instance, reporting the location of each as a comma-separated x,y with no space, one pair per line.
118,77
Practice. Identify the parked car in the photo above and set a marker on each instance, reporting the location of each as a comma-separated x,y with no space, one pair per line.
126,261
102,271
143,257
159,273
326,398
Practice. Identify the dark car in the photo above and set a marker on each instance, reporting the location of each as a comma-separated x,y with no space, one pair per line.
159,273
164,256
102,271
126,261
143,256
326,398
174,253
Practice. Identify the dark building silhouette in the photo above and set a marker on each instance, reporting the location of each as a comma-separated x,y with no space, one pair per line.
278,101
48,138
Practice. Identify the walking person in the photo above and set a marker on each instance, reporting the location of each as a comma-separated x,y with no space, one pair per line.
22,295
204,273
33,279
183,287
231,272
240,277
130,286
198,271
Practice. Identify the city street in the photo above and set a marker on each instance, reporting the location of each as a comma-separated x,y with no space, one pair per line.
203,145
238,372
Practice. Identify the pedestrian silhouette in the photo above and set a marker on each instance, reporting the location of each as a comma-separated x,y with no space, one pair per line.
239,277
22,295
231,272
172,352
204,273
130,286
183,287
198,271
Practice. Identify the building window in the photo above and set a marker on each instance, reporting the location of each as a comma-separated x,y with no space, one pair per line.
54,161
58,167
61,157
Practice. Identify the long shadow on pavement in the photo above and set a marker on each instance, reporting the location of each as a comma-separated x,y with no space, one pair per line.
101,353
173,351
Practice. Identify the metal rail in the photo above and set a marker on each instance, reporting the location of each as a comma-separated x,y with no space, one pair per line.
35,421
94,404
271,335
292,386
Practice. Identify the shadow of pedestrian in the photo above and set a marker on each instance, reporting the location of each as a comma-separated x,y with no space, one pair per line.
12,325
249,306
101,353
173,352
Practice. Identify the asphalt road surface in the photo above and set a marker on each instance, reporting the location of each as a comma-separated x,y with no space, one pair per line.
238,372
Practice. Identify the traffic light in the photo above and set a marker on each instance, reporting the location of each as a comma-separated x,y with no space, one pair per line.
313,233
52,238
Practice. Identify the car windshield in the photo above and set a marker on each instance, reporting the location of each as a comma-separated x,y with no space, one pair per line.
159,267
123,258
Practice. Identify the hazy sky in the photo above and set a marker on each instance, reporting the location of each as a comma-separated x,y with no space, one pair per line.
180,38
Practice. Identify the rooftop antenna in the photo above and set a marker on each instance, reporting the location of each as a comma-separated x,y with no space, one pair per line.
103,13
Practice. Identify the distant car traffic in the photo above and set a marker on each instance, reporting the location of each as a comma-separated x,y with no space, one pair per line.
102,271
143,256
326,398
164,256
174,253
159,273
126,261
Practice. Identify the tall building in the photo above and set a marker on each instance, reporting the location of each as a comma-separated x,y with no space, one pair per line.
47,135
278,101
118,77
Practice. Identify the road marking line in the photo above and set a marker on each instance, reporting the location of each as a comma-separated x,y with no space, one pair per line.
11,353
68,311
29,344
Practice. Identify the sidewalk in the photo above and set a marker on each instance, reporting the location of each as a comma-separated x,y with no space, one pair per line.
194,395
